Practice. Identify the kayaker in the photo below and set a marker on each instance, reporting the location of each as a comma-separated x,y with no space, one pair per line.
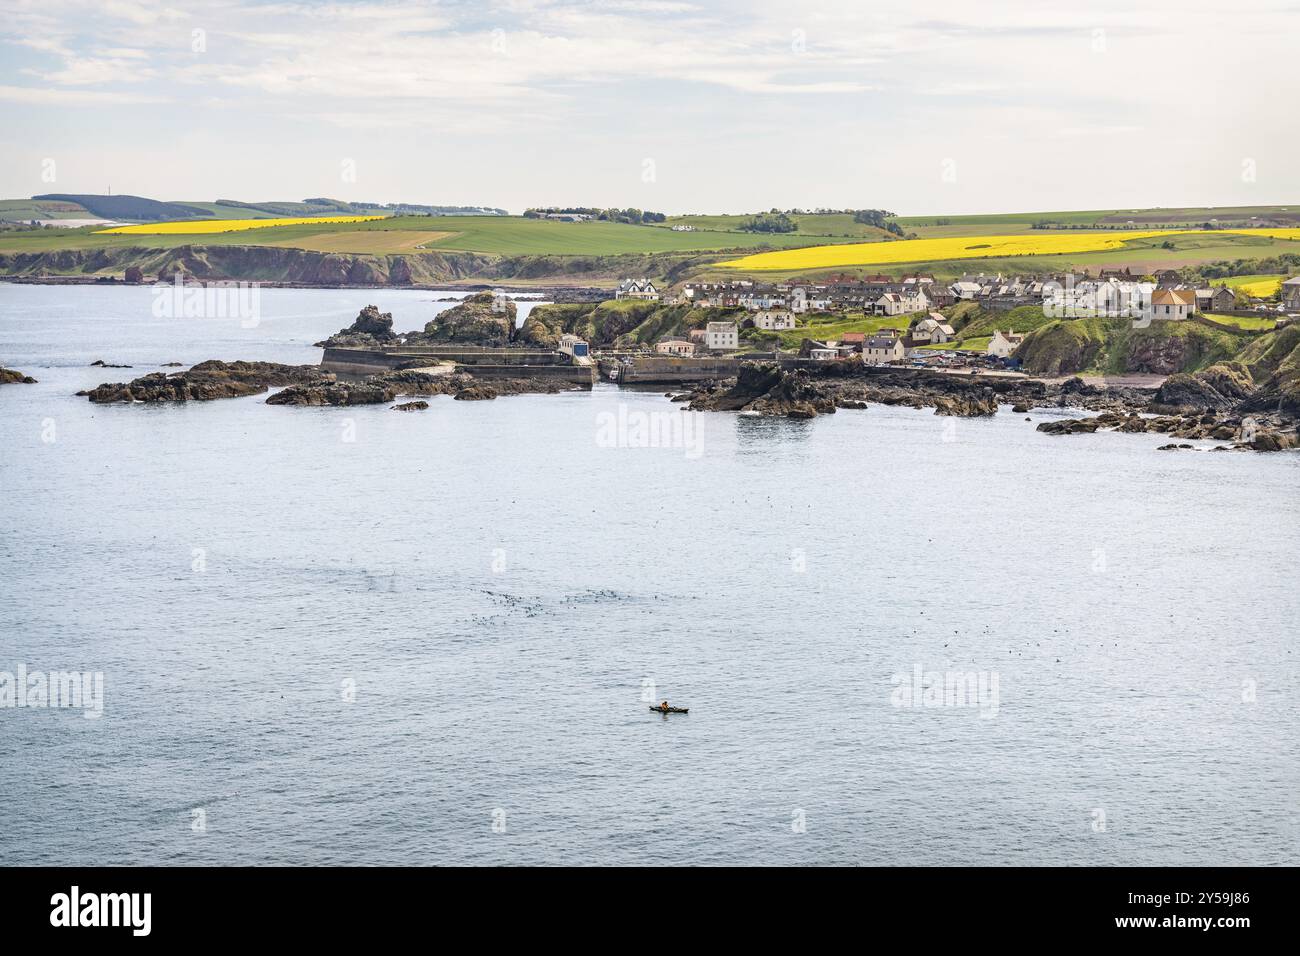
663,705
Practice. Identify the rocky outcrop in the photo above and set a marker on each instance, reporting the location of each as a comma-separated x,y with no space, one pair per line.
386,387
541,328
371,329
1155,354
335,393
1220,386
1254,433
9,377
411,407
769,389
476,393
967,406
1070,426
1061,348
766,388
207,381
412,382
484,319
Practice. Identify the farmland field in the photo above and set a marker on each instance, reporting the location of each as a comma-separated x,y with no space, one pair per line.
1248,322
830,225
202,227
371,241
927,227
1040,243
1260,286
498,235
24,210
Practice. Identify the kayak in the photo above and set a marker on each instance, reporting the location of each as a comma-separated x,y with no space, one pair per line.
671,710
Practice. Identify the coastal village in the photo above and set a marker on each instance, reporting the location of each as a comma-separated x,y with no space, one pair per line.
916,330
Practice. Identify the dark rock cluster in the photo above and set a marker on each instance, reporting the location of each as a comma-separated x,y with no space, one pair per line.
207,381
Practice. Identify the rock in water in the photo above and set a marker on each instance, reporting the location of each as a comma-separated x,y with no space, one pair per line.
484,319
766,388
9,377
1219,386
207,381
371,328
1070,426
967,406
476,393
411,407
335,393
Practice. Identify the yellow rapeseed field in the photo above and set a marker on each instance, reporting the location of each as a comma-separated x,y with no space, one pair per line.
970,247
206,226
1259,286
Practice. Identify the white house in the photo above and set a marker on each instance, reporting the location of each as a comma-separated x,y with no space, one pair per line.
882,349
637,289
798,299
772,321
682,348
1003,344
901,303
1173,304
891,303
721,336
934,328
823,354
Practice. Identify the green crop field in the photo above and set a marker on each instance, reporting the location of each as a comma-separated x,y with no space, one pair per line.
24,210
499,235
240,212
928,227
1247,322
824,226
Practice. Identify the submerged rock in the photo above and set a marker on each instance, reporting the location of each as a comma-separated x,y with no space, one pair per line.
411,407
207,381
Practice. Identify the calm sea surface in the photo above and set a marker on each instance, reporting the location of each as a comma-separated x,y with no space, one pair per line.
353,636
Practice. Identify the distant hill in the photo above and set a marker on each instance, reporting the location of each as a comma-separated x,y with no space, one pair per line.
415,209
129,207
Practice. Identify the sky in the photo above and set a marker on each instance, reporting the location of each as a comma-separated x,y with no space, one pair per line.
711,106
